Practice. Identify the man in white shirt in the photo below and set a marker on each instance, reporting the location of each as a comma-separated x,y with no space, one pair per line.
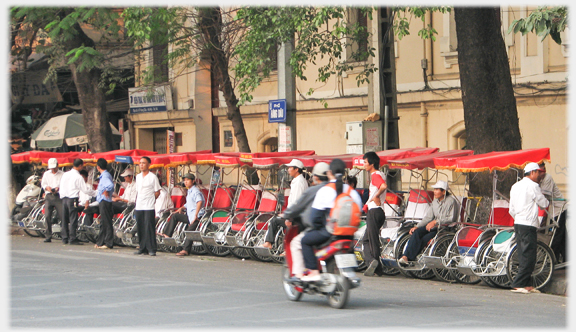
70,186
375,216
148,189
525,198
51,185
298,186
119,203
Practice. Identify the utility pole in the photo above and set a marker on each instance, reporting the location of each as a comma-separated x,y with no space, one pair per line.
287,91
382,91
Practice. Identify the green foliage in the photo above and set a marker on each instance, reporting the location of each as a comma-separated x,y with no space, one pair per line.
163,26
57,26
321,35
403,16
544,22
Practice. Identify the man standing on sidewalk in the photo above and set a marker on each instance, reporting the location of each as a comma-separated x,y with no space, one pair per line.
148,189
375,217
70,186
104,198
525,197
51,185
297,187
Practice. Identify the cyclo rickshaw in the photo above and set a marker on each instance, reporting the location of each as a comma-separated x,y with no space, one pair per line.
234,206
395,239
248,228
395,201
123,223
177,165
35,222
490,251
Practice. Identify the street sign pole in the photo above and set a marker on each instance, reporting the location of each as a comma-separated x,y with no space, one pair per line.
287,91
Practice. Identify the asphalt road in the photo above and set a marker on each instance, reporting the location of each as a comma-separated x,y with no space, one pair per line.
62,286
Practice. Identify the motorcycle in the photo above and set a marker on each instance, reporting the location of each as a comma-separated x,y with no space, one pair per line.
26,199
337,264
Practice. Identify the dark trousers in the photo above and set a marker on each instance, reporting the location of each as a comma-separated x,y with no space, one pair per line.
69,218
276,223
89,214
175,218
559,243
371,240
106,235
526,246
273,227
145,222
188,243
119,207
52,201
418,241
312,238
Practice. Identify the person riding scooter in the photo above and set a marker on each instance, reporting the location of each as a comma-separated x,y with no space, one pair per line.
321,207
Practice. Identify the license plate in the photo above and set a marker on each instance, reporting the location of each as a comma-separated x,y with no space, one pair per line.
346,260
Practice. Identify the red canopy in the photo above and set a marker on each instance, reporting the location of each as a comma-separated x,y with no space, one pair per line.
394,154
229,161
173,159
110,156
20,158
248,156
63,158
497,160
185,158
348,159
427,161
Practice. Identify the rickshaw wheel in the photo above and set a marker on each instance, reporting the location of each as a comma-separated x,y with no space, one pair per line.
543,270
440,249
501,281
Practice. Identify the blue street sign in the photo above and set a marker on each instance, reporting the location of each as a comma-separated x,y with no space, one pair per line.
277,110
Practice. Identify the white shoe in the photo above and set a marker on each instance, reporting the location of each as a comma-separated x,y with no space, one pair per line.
520,290
402,261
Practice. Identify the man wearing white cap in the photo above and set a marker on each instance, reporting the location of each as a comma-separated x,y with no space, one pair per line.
525,198
119,203
51,186
297,188
444,210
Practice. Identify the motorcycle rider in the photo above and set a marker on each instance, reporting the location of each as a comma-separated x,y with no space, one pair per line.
323,203
51,185
302,209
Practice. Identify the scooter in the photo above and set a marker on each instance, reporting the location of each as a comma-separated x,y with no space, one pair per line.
337,264
26,198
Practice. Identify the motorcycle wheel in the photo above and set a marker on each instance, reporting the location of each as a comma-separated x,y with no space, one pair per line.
338,298
291,292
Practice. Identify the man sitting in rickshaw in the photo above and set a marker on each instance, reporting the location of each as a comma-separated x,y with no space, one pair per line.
444,210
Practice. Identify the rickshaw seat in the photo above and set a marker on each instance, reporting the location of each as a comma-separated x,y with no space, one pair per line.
467,237
418,203
501,215
223,198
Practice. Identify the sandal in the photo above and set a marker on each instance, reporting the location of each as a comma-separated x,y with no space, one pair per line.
182,253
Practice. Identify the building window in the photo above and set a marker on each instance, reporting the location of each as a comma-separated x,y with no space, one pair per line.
271,144
357,50
159,138
228,140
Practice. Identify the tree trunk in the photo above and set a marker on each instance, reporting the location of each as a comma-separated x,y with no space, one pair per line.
92,99
490,113
211,26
